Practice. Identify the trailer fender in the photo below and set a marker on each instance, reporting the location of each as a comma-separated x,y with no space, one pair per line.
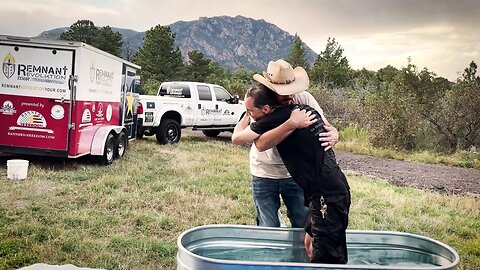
98,142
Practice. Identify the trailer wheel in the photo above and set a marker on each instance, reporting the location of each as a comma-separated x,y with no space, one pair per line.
121,145
168,132
109,150
211,133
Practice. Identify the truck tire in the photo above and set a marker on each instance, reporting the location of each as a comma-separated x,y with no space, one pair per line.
121,145
211,133
108,150
168,132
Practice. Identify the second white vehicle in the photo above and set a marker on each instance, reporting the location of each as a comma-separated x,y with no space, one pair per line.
202,106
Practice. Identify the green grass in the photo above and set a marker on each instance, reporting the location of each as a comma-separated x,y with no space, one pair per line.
129,215
355,139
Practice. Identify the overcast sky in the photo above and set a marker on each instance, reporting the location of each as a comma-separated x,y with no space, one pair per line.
442,35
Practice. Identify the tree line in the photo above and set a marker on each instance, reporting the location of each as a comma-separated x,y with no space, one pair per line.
406,109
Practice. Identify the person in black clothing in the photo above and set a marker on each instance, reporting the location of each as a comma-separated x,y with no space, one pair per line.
326,191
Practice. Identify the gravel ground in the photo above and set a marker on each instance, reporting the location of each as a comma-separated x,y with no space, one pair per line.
440,178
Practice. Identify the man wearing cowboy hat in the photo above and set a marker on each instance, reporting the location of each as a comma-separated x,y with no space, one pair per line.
314,169
290,85
270,178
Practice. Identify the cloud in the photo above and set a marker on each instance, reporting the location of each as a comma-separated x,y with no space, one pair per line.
440,48
373,32
44,15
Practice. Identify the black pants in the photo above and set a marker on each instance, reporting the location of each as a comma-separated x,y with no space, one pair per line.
328,231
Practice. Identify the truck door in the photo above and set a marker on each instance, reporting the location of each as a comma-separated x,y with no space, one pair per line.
206,106
226,115
35,98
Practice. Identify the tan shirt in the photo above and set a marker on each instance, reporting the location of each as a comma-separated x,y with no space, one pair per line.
269,164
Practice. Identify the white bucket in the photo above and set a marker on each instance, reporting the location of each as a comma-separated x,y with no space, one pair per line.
17,169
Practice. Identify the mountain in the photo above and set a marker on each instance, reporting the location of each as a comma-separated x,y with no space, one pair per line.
233,42
53,34
134,38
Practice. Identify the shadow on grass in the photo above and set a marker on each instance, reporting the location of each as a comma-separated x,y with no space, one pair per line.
61,163
52,163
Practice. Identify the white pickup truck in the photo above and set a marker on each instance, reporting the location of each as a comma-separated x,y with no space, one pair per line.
202,106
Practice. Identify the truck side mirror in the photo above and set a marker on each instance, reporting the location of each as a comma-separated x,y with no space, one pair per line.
234,99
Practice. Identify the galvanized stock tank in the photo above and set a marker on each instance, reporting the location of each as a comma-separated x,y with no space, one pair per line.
235,247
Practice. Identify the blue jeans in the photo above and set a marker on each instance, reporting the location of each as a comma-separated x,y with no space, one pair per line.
266,196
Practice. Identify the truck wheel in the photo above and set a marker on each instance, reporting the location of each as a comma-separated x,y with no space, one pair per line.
211,133
108,151
168,132
121,145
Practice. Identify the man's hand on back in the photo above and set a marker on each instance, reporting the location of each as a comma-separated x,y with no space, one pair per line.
301,119
329,138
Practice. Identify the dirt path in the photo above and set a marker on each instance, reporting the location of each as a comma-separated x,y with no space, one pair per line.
441,178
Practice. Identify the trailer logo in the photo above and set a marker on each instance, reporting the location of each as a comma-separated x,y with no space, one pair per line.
8,108
99,116
57,112
9,66
32,119
100,76
92,74
109,112
86,116
100,110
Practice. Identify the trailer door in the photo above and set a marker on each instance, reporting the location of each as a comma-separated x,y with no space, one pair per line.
129,100
35,98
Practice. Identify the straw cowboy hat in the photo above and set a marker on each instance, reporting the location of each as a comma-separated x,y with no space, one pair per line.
283,79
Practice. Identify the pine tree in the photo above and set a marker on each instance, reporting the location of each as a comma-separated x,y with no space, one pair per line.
297,54
104,38
331,67
128,51
198,68
82,30
109,41
158,57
